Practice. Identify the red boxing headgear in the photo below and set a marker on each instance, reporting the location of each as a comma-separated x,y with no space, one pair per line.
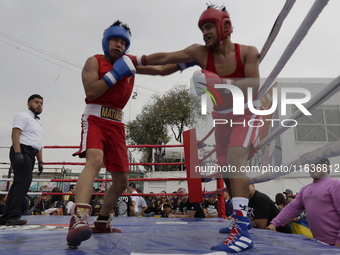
219,18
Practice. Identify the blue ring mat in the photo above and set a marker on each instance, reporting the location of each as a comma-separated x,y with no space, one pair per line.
152,235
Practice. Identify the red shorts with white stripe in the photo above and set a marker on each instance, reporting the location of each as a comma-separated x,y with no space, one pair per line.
235,133
108,136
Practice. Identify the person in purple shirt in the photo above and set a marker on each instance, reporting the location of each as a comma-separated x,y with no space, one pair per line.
321,200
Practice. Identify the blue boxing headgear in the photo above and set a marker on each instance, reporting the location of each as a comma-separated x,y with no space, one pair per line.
115,31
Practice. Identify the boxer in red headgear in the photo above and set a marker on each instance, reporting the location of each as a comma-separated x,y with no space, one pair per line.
220,18
225,62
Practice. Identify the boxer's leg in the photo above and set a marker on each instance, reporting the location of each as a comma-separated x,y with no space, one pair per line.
102,223
79,229
239,239
94,162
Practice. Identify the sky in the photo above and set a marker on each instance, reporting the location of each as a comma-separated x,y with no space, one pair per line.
44,45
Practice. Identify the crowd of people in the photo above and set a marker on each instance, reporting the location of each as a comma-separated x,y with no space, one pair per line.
148,206
263,212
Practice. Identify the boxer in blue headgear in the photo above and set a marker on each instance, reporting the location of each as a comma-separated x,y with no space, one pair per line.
108,82
121,31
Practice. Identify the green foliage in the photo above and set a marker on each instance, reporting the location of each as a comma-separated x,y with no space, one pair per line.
177,110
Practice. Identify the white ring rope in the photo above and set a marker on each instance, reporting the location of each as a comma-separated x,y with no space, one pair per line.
321,97
276,28
327,151
306,24
33,180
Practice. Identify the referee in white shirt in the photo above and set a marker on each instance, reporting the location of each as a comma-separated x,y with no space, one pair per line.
27,135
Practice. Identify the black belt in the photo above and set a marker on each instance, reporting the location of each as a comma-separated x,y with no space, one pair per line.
111,113
34,150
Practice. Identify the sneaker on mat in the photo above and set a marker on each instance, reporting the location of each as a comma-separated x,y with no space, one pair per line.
239,239
227,230
104,226
79,229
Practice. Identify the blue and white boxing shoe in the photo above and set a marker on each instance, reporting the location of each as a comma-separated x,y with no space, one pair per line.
239,239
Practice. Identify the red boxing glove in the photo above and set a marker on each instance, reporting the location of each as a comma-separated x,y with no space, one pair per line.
137,60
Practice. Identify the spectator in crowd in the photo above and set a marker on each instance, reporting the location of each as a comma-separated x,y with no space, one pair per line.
42,204
96,209
228,204
57,201
160,208
167,210
288,193
141,206
174,196
70,203
210,208
71,189
148,199
290,199
160,153
100,198
189,210
176,207
172,199
124,207
95,205
321,201
132,190
158,198
151,209
31,204
280,201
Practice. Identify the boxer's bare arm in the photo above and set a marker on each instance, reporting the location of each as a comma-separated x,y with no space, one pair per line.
191,54
157,70
93,86
251,69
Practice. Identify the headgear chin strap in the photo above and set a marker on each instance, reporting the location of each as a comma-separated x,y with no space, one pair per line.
219,18
115,31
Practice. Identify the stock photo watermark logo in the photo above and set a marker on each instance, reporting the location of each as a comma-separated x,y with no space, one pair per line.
239,104
212,97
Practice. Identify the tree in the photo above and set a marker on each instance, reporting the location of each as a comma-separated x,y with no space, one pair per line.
180,109
176,110
144,130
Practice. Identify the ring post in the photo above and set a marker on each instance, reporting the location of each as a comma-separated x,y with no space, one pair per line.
220,199
191,160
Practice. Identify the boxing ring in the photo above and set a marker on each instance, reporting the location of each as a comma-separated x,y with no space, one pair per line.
149,235
142,236
153,235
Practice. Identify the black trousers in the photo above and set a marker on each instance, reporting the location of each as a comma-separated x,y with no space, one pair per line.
21,182
159,159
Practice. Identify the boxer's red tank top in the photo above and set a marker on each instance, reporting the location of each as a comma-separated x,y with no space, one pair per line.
227,100
118,95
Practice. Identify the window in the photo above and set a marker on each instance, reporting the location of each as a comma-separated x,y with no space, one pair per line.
322,126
